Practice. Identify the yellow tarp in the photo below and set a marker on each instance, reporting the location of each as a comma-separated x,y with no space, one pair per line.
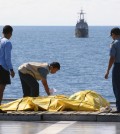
86,100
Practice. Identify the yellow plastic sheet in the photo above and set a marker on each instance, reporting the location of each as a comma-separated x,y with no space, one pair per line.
86,100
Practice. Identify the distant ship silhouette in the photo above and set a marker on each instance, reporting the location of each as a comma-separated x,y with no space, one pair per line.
81,29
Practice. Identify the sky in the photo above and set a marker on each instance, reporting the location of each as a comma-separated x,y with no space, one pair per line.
59,12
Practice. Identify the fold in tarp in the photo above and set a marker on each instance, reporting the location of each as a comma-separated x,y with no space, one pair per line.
86,100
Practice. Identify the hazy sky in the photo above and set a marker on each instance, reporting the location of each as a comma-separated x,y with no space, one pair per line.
59,12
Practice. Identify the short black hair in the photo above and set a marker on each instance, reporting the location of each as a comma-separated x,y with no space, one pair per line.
115,31
55,65
7,29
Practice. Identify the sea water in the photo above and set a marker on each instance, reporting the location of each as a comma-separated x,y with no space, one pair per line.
83,60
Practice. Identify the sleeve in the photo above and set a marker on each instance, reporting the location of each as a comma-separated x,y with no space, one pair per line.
113,50
43,72
8,49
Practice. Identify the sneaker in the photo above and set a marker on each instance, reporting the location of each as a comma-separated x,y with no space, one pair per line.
1,111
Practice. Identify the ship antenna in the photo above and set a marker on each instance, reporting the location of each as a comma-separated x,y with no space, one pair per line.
82,15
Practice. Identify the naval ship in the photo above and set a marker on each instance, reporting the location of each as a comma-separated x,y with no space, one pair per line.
81,29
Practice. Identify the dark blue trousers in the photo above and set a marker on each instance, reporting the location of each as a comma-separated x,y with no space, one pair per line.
30,85
116,84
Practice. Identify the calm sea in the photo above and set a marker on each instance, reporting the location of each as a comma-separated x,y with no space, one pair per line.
83,60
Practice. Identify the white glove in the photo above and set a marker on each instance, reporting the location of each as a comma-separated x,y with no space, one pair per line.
53,90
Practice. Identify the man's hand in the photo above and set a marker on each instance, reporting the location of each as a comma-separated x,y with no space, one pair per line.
51,91
106,75
12,73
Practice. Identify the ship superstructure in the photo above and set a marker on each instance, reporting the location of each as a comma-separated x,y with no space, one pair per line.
81,29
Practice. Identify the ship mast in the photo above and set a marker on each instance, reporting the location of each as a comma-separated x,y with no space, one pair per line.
82,15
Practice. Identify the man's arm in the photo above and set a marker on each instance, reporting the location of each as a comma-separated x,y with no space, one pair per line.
8,49
111,61
8,58
44,82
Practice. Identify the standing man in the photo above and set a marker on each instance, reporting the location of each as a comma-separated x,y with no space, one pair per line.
115,59
31,72
6,68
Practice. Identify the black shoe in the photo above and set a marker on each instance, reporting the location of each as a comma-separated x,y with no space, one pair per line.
115,112
1,111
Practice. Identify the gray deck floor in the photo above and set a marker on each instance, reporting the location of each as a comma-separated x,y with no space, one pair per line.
59,127
59,116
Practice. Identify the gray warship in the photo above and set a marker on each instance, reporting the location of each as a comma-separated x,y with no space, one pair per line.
81,29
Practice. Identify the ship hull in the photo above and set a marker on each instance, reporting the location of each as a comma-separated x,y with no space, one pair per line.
81,33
